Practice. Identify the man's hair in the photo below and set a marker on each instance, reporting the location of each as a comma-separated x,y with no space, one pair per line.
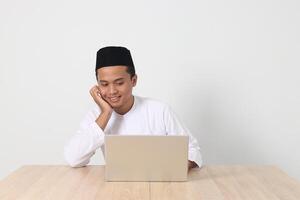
129,70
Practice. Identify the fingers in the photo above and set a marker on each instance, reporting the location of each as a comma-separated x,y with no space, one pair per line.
98,91
92,89
94,92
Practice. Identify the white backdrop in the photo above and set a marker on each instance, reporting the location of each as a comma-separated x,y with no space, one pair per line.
228,68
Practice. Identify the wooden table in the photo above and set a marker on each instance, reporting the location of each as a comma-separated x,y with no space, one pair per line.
209,183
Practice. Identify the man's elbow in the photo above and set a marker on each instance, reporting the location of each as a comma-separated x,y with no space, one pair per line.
73,161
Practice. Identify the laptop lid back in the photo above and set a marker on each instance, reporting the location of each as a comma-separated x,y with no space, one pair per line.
146,158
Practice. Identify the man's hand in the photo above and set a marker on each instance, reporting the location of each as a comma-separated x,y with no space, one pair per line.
191,164
106,109
96,94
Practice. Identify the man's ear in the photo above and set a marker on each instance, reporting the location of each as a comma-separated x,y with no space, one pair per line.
134,80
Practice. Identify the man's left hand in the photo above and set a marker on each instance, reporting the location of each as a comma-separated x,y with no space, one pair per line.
191,164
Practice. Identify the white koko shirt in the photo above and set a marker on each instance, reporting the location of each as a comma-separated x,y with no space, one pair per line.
146,117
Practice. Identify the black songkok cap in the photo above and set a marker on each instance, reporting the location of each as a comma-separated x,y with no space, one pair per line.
111,56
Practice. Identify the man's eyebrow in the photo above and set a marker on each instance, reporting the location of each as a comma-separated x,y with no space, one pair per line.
103,81
118,79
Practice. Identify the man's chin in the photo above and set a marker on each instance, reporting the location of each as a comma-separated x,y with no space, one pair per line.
115,105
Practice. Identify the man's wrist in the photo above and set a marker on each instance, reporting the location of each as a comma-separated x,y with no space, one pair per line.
106,113
103,119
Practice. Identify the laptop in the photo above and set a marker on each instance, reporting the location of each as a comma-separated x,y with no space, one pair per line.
146,158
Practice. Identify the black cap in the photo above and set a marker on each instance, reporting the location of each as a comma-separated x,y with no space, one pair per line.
113,55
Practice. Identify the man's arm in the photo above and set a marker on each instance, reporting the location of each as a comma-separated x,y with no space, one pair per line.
83,145
175,127
103,119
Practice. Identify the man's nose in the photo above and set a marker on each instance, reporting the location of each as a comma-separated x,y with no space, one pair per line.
112,89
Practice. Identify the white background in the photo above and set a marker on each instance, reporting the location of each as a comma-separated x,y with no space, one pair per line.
229,69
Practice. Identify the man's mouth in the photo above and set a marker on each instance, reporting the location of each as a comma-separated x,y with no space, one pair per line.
114,99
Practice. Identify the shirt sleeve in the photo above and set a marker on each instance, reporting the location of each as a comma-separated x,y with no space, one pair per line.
175,127
83,145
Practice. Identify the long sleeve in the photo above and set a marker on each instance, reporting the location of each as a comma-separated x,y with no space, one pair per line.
83,145
175,127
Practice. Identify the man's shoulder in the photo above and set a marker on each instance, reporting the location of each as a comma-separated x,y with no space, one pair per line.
151,102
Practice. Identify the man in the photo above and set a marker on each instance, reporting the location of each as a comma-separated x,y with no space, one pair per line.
119,112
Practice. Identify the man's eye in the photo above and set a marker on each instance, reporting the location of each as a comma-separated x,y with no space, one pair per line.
104,85
120,83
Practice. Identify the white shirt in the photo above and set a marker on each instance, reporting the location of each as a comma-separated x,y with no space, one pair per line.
146,117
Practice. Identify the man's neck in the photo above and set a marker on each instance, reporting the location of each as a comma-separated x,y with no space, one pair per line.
127,107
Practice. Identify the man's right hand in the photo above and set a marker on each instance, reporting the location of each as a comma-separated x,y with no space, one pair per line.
106,109
96,94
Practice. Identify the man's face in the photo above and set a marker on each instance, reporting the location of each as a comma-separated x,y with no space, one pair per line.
116,85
